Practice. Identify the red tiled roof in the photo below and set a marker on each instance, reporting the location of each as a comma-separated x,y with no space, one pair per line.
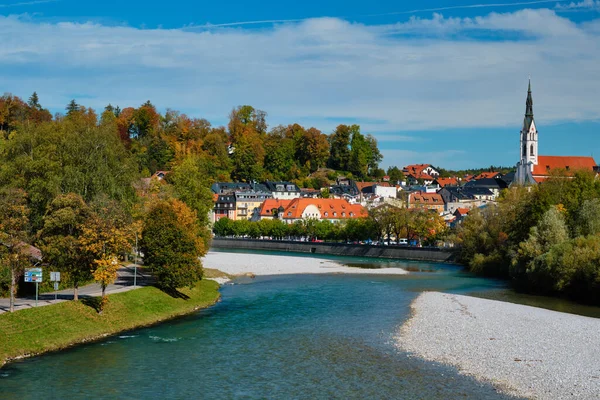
462,211
334,208
433,199
267,207
484,175
415,168
548,163
447,181
362,185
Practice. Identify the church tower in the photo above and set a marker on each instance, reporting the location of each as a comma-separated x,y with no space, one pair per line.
529,135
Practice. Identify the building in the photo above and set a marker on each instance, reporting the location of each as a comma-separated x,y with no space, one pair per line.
465,197
441,182
284,190
246,201
225,207
321,209
431,201
534,168
494,185
420,174
270,209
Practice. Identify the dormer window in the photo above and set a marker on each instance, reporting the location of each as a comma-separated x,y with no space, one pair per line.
567,168
547,168
326,214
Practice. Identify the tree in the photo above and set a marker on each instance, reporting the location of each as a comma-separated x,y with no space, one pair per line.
13,235
339,142
34,101
61,235
395,174
192,188
105,273
172,245
72,108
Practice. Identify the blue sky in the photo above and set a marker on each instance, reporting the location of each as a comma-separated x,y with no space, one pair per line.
441,82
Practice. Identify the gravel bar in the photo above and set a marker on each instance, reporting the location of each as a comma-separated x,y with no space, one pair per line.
522,350
266,264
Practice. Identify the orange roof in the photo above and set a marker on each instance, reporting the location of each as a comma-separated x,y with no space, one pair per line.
548,163
328,208
447,181
267,207
485,175
467,178
415,168
433,199
462,211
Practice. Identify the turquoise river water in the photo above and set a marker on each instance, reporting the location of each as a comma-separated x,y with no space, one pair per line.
277,337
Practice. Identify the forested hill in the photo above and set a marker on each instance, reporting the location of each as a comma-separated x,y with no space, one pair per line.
245,150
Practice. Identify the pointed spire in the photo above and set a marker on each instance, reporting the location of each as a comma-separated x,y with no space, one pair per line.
529,102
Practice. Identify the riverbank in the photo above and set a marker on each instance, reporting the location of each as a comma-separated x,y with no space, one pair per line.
341,249
264,264
522,350
43,329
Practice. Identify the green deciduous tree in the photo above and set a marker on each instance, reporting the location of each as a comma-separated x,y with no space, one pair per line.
172,244
61,235
14,221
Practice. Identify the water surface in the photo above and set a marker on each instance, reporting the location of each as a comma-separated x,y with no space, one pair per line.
291,337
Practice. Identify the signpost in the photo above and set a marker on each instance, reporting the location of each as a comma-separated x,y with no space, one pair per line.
55,277
34,275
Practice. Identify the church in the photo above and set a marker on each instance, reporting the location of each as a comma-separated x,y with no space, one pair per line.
534,168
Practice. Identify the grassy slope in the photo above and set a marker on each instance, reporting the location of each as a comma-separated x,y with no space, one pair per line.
37,330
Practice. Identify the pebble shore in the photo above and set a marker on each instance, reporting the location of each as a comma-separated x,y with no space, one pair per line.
524,351
264,264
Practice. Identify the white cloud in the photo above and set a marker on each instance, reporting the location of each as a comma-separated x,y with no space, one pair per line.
421,74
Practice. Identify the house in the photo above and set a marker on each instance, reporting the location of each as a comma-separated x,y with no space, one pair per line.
284,190
246,201
310,193
160,175
322,209
420,173
431,201
232,187
494,185
488,175
345,189
459,215
225,207
441,182
270,209
464,197
534,168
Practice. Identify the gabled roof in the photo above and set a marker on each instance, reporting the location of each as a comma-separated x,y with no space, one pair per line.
328,208
547,163
461,211
267,207
446,182
487,183
434,199
282,186
484,175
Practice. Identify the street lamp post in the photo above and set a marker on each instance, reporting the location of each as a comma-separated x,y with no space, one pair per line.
135,263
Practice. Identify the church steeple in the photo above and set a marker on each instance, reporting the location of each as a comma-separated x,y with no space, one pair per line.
529,102
529,134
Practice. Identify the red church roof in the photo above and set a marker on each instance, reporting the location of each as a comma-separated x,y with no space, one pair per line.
547,163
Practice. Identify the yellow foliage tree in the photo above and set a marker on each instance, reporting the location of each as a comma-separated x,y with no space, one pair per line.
105,274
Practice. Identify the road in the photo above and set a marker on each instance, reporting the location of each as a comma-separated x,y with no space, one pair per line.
123,283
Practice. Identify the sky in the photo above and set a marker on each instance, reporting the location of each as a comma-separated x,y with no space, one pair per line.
435,81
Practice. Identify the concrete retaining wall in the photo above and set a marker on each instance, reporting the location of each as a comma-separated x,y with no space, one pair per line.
342,249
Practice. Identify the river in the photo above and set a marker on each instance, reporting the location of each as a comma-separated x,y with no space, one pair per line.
292,337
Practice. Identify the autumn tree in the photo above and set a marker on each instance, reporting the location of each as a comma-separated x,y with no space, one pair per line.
172,245
13,235
60,238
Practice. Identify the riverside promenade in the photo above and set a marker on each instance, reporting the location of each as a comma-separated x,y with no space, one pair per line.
123,283
434,254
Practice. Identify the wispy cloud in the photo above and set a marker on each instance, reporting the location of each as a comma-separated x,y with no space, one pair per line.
582,5
27,3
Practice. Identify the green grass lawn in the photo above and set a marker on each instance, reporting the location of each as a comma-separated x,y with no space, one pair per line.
37,330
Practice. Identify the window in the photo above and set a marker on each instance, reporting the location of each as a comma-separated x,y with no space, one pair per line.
326,214
531,152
